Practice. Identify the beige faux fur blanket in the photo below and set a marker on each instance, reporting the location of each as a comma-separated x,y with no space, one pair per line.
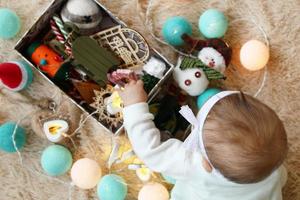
281,22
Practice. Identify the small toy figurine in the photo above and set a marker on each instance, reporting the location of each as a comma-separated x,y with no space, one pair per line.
15,76
48,61
193,76
215,53
86,15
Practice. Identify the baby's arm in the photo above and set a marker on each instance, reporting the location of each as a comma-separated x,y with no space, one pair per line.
168,157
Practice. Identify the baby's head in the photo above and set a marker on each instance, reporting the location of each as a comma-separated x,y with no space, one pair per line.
244,139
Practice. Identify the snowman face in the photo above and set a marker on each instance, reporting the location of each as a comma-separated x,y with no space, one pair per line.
193,81
212,58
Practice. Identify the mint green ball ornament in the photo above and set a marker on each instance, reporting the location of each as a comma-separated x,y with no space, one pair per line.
213,24
112,187
207,94
169,179
174,28
56,160
6,137
10,23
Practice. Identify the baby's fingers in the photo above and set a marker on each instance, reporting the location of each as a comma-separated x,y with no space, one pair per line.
140,83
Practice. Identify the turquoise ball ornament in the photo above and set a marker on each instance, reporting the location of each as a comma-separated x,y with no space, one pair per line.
10,23
207,94
6,137
112,187
169,179
174,28
56,160
213,24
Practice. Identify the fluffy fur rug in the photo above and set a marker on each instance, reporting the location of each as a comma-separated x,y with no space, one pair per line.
280,19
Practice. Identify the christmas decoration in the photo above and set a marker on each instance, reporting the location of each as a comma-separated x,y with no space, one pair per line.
58,29
56,160
169,179
174,28
193,76
12,137
48,61
55,130
215,53
50,113
128,44
205,96
95,59
155,67
86,90
10,23
112,187
16,76
149,82
85,173
100,104
213,24
254,55
153,191
86,15
144,174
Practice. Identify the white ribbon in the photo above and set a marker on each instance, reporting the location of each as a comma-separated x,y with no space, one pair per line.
194,142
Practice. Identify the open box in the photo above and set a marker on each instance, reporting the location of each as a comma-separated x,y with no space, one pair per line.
42,29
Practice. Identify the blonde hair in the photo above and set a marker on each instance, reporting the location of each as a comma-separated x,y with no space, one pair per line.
244,139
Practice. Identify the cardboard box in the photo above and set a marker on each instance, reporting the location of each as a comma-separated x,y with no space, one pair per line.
42,28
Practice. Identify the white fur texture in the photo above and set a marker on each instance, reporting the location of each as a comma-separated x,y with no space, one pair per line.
155,67
82,7
198,84
212,58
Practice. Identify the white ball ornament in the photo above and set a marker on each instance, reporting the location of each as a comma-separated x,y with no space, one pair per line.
153,191
254,55
85,173
85,14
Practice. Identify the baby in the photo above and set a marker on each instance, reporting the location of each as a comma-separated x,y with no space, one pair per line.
235,151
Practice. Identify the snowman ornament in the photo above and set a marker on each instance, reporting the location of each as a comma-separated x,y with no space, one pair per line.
193,75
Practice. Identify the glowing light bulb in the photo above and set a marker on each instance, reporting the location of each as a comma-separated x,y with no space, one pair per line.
254,55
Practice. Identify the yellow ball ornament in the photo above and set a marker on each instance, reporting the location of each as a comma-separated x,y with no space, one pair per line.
153,191
85,173
254,55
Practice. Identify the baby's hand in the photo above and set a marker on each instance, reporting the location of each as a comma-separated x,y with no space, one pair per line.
133,93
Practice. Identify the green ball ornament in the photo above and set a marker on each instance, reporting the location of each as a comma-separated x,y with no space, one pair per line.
213,24
10,23
6,137
112,187
174,28
207,94
56,160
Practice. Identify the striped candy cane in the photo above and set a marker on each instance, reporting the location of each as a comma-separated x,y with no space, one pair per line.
61,26
60,37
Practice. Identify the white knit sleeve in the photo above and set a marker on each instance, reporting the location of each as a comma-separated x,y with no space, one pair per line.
169,157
